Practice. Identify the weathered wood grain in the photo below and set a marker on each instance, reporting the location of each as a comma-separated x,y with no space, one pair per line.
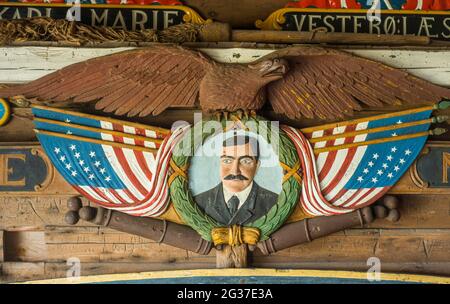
24,64
387,244
431,211
33,212
20,272
423,251
26,246
90,234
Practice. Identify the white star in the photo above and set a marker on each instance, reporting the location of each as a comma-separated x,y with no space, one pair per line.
396,168
97,164
390,175
389,157
68,166
380,172
86,169
77,155
408,152
402,161
74,173
81,162
57,150
360,179
62,158
91,176
68,120
394,134
102,170
385,166
366,171
92,154
107,178
370,164
73,147
374,180
69,132
399,122
394,149
375,156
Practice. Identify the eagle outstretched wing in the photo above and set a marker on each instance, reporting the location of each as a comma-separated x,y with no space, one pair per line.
137,82
329,84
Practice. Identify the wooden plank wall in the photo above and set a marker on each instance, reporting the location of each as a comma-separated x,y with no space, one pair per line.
28,63
37,243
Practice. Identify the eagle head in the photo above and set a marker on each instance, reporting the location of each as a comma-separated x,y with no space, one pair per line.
271,70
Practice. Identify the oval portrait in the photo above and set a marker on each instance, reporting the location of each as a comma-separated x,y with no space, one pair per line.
235,177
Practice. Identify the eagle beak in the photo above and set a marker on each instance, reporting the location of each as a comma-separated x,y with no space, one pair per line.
276,70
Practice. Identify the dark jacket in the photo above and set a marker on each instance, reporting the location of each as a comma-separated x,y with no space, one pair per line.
258,203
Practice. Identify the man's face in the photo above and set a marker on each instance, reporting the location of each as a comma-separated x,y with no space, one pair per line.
238,167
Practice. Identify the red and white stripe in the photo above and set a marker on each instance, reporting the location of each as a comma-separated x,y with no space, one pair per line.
325,175
144,176
129,141
124,128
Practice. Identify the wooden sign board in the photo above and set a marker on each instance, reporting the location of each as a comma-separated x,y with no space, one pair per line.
126,17
434,24
433,167
26,170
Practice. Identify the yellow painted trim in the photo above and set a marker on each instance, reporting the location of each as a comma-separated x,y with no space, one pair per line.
234,272
97,130
355,121
371,142
190,14
374,130
5,118
97,141
108,119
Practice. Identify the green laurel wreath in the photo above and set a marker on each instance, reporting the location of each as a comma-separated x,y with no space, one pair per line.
189,211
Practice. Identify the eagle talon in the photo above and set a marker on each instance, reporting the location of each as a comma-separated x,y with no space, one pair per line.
218,115
246,114
239,114
252,113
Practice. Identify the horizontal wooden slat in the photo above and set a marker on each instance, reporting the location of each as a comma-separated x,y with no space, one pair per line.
20,272
28,63
27,246
34,212
388,244
90,235
431,211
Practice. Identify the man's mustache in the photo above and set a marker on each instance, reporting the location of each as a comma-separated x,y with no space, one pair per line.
235,177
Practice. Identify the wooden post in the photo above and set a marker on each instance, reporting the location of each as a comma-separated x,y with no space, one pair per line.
232,256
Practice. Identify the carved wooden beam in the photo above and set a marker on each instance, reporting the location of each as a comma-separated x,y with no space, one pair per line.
227,256
162,231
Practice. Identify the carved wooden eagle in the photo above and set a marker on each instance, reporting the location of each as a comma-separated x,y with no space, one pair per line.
302,81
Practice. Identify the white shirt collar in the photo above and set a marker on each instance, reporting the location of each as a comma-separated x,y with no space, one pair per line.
242,196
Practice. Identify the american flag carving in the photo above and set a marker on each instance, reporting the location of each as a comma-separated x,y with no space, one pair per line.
105,163
351,164
124,166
